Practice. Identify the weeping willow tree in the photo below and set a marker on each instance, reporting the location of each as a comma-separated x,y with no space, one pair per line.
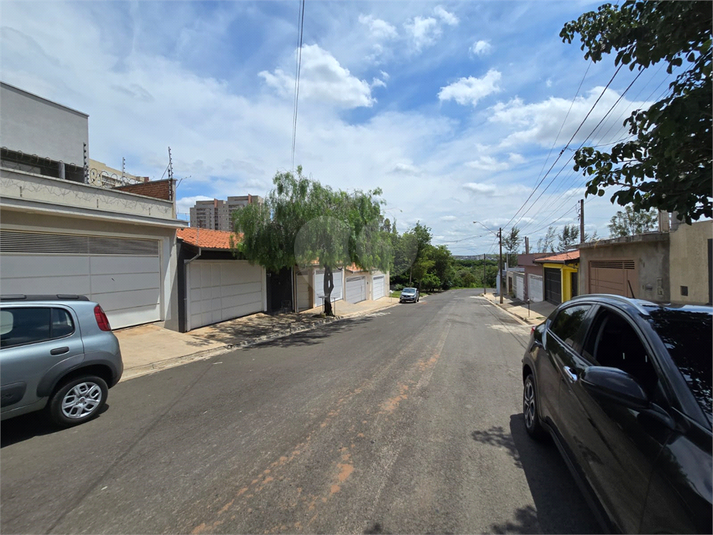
304,223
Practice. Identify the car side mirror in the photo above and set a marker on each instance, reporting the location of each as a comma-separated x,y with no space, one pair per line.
615,385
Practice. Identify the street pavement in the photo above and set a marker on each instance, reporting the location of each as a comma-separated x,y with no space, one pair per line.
406,420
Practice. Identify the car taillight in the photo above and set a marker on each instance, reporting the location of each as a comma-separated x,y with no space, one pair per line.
532,331
102,320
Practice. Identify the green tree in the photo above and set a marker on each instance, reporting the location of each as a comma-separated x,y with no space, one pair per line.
511,243
630,222
302,221
568,238
668,164
443,265
547,244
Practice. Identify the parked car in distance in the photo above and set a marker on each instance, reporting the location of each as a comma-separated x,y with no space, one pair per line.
624,388
57,353
409,295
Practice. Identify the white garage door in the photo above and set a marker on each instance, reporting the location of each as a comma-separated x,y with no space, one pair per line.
220,290
378,288
520,286
122,275
534,287
356,289
337,277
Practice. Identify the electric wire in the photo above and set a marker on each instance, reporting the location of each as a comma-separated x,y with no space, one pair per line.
298,70
566,145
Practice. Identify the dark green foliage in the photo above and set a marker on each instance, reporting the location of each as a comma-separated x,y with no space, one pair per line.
629,222
668,164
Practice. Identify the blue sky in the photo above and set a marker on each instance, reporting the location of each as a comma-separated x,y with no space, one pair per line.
453,109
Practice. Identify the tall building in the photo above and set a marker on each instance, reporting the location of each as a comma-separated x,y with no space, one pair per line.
217,214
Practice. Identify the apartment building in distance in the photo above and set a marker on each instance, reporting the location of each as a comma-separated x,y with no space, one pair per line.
216,214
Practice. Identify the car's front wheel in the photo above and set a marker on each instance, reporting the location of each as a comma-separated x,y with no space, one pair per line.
78,400
529,408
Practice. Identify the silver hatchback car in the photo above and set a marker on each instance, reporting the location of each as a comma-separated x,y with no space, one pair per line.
56,353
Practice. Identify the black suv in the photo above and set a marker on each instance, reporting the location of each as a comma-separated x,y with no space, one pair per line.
624,388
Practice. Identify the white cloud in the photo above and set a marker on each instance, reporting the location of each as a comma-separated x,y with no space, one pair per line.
445,16
405,169
487,163
541,121
470,90
449,218
377,83
481,189
481,48
322,79
548,82
423,32
379,29
385,75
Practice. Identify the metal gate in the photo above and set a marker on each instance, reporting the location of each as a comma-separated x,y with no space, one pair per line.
553,286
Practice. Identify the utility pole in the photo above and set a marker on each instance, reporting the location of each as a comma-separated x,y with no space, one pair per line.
527,245
581,221
500,265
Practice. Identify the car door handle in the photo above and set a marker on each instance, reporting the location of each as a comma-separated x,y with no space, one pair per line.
570,374
59,351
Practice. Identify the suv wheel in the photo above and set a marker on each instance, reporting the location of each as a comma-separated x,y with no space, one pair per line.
530,410
78,400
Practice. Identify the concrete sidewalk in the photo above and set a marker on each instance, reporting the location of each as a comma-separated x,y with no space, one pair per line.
150,348
536,314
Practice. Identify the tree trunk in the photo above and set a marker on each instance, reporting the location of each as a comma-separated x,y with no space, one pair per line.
328,286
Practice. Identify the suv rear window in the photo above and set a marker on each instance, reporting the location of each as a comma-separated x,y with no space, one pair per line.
687,335
26,325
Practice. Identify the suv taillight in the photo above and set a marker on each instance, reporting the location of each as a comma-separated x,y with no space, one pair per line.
102,320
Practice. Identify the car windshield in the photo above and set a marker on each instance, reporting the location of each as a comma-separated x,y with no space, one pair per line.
409,291
687,336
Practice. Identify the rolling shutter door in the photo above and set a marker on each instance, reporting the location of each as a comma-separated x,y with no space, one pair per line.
123,275
219,290
553,286
356,289
378,287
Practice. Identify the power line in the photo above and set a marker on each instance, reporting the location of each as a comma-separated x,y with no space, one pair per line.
298,70
565,147
581,144
563,195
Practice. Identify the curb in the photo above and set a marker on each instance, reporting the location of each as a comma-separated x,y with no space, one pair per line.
518,318
148,369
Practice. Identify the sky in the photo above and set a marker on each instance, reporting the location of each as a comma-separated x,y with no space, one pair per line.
460,112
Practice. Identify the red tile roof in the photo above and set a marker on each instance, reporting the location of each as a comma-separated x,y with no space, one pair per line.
561,258
206,238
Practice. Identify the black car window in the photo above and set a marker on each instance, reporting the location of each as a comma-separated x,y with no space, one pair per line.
28,325
613,342
62,324
568,325
688,336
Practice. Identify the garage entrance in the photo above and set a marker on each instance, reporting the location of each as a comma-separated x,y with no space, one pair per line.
613,277
553,286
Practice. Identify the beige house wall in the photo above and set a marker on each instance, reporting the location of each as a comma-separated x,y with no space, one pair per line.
689,262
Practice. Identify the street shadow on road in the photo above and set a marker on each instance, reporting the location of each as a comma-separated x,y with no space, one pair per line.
559,505
316,335
31,425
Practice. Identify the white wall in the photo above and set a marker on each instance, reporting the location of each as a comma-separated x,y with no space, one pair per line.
33,125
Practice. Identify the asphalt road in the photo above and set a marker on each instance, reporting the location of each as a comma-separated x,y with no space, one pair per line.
407,421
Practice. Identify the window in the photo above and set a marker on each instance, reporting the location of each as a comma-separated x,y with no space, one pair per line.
28,325
687,335
61,323
36,324
614,343
568,324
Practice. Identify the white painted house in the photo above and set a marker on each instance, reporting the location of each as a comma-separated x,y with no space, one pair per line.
62,235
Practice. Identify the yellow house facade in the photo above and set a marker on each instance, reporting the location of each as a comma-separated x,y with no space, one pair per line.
561,276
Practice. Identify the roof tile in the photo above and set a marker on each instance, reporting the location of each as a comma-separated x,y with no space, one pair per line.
206,238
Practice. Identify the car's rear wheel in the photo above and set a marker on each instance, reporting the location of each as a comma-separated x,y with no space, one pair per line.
78,400
530,409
